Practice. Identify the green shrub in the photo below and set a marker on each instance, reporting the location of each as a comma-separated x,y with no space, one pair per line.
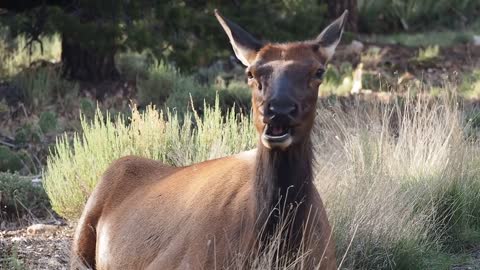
132,64
391,15
165,85
47,122
19,196
41,86
74,167
9,160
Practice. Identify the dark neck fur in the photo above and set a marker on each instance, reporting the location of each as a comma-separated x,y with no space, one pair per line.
283,181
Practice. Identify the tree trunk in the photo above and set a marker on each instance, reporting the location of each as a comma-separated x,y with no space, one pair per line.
86,64
336,8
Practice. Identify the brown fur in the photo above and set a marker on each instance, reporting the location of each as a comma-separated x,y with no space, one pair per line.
147,215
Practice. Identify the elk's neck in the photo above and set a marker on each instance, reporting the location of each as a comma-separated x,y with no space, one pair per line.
283,182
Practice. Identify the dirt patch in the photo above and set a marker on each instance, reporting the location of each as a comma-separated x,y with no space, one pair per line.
46,248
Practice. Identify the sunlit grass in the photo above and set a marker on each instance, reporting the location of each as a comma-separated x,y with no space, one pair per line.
16,56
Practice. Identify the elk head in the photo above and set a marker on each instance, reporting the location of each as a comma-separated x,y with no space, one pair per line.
284,79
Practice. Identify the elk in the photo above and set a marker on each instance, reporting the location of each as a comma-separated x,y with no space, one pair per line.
147,215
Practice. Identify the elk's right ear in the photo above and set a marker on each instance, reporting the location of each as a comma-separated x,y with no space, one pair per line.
244,45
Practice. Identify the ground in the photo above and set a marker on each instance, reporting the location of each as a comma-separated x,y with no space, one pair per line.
24,249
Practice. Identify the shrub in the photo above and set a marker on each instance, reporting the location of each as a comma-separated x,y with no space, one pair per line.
41,86
132,64
47,122
74,167
19,196
391,15
9,160
165,85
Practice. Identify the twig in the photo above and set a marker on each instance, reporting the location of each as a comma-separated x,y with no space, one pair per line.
8,144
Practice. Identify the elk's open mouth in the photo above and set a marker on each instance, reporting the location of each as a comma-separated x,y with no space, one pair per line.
277,136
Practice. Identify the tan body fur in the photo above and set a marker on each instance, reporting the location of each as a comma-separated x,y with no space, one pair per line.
145,215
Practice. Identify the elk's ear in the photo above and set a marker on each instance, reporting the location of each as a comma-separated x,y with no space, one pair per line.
244,45
330,36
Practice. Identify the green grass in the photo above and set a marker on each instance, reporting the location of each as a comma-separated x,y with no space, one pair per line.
423,39
470,86
428,54
412,15
12,261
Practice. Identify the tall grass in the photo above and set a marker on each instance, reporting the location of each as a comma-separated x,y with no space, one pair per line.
400,181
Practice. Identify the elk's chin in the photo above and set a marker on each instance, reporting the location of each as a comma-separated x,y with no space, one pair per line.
277,137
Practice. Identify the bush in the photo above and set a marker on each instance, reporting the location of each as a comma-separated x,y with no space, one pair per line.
400,181
9,160
390,15
19,196
165,85
74,167
42,86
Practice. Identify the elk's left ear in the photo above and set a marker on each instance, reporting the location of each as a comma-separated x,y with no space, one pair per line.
330,36
244,45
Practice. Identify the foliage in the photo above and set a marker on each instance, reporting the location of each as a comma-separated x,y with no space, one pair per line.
40,87
166,85
423,39
182,32
9,160
75,166
19,196
470,86
12,261
411,15
428,54
337,81
47,122
15,57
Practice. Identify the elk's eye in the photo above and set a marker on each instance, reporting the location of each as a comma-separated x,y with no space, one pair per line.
319,73
249,75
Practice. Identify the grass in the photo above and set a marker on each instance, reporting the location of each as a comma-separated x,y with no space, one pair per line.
428,54
470,87
400,181
12,262
423,39
412,15
20,199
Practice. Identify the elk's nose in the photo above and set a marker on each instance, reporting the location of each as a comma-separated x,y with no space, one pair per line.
276,109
